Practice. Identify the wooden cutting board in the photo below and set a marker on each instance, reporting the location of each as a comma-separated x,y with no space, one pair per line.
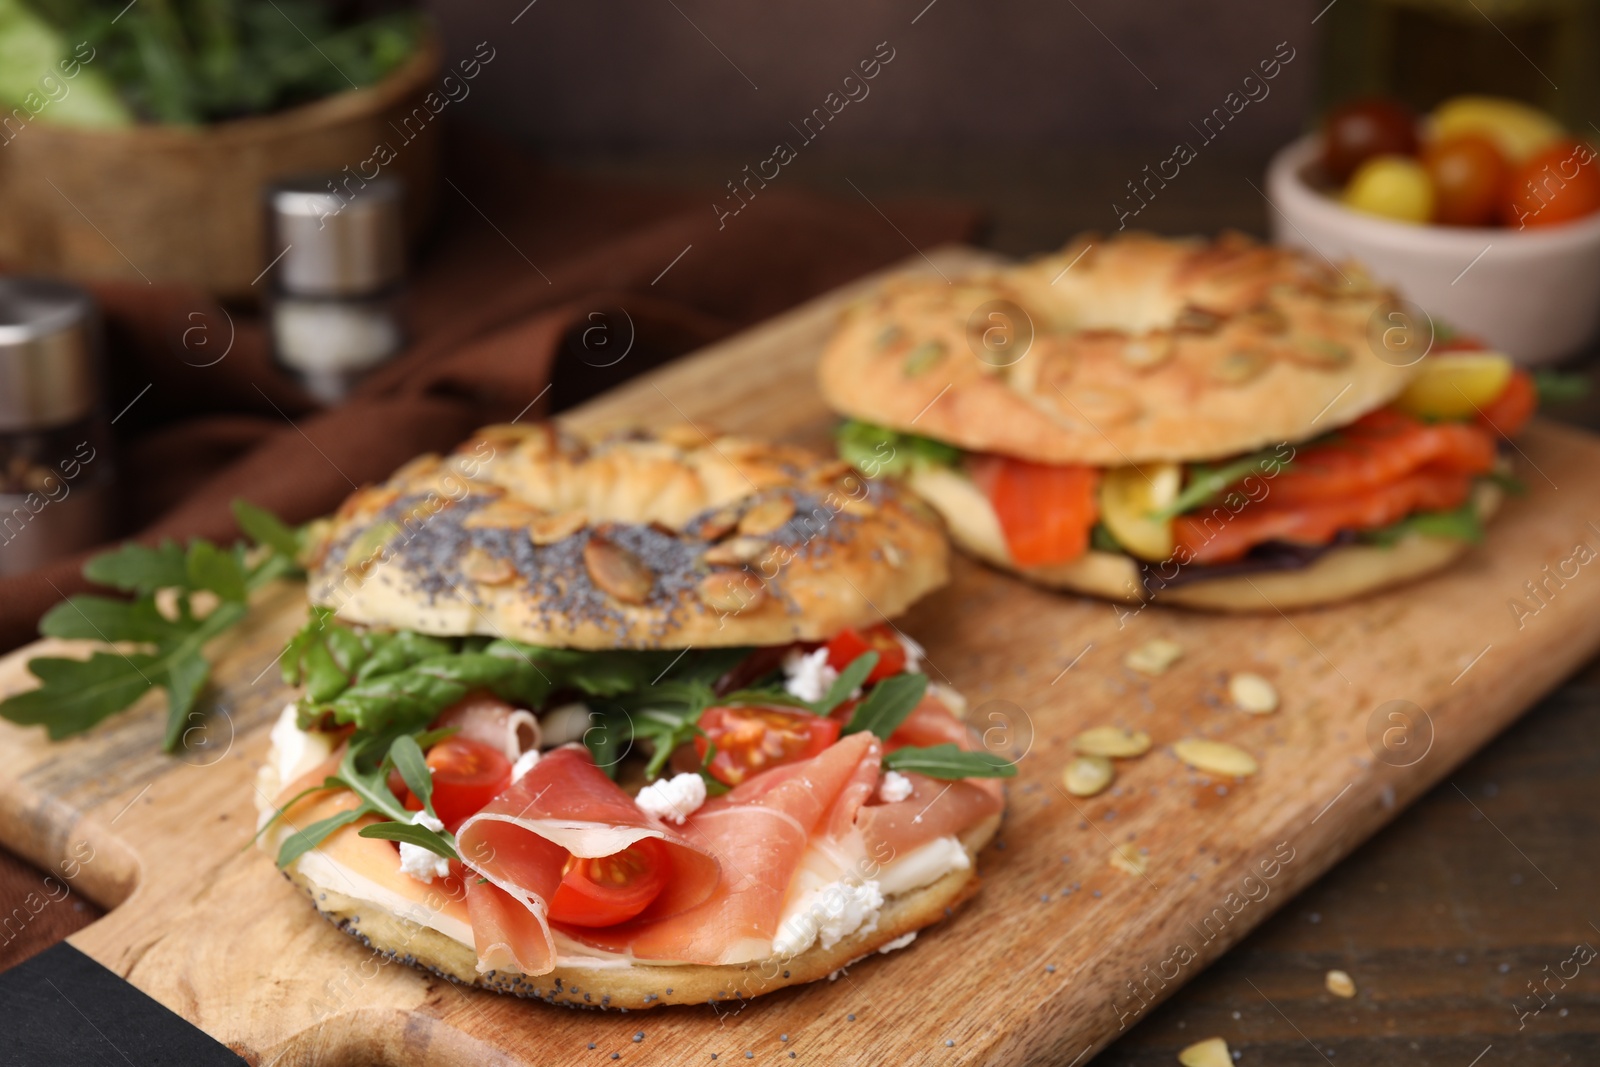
1091,910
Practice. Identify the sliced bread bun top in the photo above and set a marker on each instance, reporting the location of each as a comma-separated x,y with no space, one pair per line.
647,541
1142,349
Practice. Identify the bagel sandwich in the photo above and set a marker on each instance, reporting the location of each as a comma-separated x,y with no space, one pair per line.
617,723
1215,424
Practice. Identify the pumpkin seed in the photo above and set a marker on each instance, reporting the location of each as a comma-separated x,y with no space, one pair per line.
731,591
485,569
1212,1052
1088,775
548,529
1239,366
735,551
923,358
616,571
767,516
1124,858
1252,694
1154,656
1340,984
1112,741
1216,757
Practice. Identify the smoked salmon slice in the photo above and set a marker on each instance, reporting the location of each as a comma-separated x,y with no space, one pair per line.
1376,450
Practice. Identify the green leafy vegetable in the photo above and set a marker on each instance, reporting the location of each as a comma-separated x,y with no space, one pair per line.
1462,524
949,761
887,704
849,680
877,450
209,592
407,757
1556,387
193,61
1206,483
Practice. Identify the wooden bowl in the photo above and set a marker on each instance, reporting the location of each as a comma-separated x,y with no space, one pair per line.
183,204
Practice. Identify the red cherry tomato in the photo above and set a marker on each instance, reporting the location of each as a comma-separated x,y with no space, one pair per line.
467,774
1509,412
751,740
847,645
1469,176
1355,132
610,889
1555,185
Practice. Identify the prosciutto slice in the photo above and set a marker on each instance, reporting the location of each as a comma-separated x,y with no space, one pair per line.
487,718
935,808
565,806
759,832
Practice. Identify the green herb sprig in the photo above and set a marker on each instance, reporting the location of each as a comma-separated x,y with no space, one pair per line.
166,621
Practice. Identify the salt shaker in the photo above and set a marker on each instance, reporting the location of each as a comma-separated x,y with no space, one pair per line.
335,290
56,477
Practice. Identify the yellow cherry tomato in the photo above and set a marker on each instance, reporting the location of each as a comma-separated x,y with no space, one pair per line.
1395,187
1516,129
1129,497
1455,385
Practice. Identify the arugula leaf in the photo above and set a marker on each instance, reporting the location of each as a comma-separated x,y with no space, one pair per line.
412,834
309,837
876,450
407,757
1205,483
887,704
848,682
74,694
1101,539
138,569
264,528
949,761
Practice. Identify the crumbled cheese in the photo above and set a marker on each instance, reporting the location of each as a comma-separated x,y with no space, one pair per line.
524,764
297,750
829,915
417,861
914,652
807,674
898,943
673,799
893,787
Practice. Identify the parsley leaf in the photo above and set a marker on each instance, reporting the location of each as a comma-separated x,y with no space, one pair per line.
949,761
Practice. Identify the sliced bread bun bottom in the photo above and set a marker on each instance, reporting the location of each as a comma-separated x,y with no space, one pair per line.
644,985
1343,573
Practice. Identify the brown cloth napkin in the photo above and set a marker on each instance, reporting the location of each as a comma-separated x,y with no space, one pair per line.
524,255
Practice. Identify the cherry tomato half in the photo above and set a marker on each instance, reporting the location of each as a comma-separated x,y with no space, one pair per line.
1555,185
1355,132
847,645
1469,176
610,889
467,774
751,740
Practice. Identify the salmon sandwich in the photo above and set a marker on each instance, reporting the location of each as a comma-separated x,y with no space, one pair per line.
617,723
1214,424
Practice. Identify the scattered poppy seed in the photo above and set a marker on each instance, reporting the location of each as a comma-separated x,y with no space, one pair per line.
591,1044
949,1044
1050,968
749,1055
639,1036
616,1055
783,1037
851,1017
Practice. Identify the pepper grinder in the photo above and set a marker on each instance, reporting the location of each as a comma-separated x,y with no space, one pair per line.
336,282
56,478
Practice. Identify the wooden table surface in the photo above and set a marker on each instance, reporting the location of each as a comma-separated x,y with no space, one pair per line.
1444,919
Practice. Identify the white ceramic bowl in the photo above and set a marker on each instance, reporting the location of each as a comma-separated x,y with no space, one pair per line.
1533,294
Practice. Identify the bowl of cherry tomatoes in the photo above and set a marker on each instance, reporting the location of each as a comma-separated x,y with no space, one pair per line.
1484,213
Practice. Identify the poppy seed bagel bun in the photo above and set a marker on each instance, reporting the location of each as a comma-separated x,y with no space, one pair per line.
1341,573
663,540
1143,349
617,983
